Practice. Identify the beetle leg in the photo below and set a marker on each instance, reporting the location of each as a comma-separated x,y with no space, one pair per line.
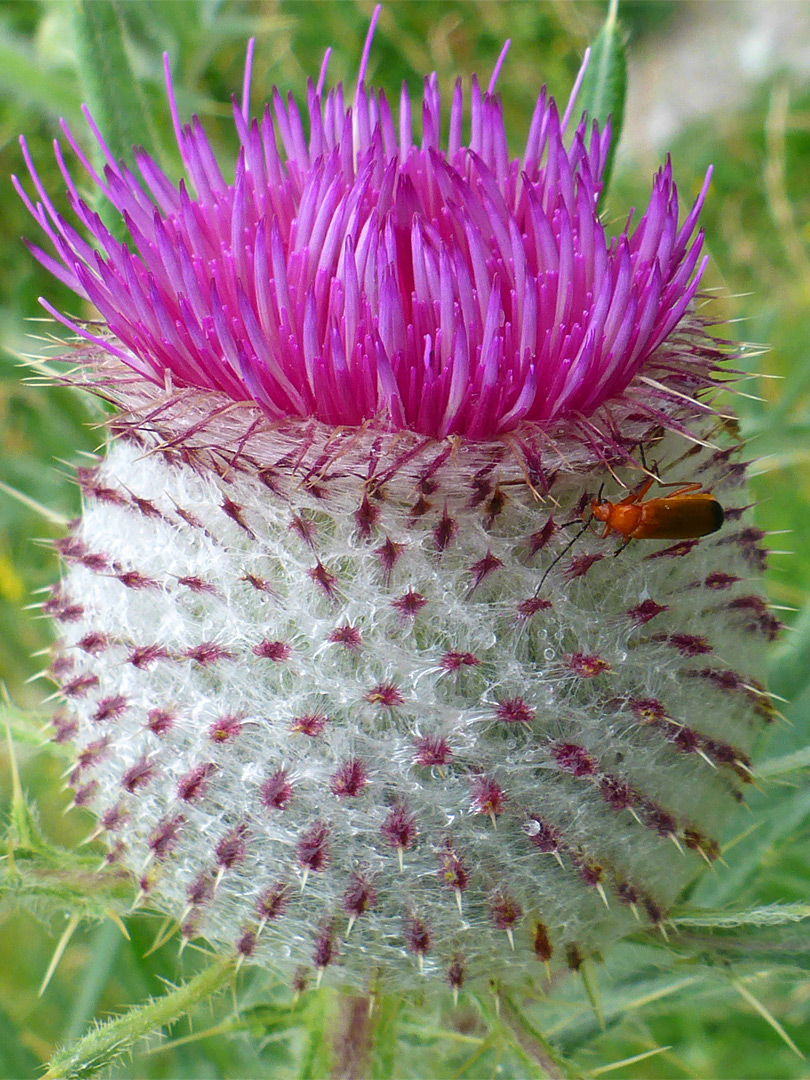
636,496
685,489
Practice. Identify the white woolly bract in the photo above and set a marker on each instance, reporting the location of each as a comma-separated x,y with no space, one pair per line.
612,710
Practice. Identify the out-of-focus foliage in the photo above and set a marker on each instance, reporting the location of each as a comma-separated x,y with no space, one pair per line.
696,1005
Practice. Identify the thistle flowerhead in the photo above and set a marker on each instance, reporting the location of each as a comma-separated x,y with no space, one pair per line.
355,684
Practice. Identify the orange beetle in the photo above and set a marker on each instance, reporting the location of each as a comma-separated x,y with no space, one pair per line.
684,515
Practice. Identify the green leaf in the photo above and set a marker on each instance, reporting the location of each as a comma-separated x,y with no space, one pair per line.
789,667
15,1058
785,763
23,77
763,915
604,87
112,90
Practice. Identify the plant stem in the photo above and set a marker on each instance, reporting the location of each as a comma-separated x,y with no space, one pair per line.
352,1042
103,1044
533,1044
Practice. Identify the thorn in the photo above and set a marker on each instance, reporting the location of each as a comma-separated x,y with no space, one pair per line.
304,877
137,901
455,996
493,819
559,859
400,854
588,975
183,942
497,1002
706,758
58,952
372,1002
676,842
634,909
704,856
745,993
162,936
421,959
239,963
635,815
600,888
352,921
547,966
663,931
218,879
458,900
511,937
318,977
260,927
91,836
119,922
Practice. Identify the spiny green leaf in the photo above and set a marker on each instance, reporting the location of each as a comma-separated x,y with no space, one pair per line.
604,87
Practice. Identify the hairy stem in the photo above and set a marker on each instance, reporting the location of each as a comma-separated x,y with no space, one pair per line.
103,1044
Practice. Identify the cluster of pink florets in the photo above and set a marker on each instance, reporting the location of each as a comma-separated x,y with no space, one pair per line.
362,276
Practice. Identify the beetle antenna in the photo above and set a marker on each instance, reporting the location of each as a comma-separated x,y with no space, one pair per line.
564,551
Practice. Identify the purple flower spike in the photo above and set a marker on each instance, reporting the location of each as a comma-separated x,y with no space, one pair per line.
363,276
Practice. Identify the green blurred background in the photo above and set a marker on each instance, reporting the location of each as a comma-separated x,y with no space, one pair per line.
712,82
